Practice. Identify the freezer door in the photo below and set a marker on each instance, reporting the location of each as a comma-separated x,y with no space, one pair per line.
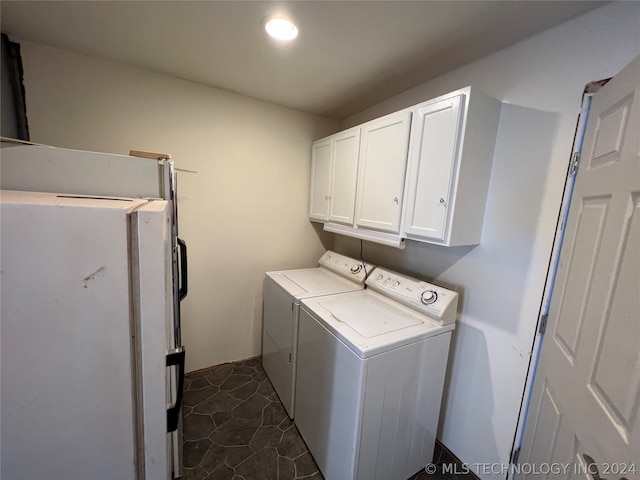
62,170
169,192
160,376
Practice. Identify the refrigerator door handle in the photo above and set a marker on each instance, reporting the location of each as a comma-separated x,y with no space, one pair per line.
176,357
182,292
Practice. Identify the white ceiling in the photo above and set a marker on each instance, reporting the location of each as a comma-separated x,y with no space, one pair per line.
349,54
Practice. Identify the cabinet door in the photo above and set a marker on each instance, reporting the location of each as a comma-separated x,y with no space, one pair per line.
344,174
381,175
320,179
432,167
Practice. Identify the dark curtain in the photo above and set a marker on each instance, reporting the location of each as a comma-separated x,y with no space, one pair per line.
14,111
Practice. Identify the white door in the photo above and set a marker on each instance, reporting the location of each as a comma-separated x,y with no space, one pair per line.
345,148
586,398
383,159
435,136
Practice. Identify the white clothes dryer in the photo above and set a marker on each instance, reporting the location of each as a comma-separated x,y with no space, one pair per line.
283,292
370,376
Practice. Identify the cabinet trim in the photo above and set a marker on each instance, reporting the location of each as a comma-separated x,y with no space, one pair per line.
388,239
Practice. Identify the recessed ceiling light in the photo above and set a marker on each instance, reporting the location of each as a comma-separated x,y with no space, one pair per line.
280,28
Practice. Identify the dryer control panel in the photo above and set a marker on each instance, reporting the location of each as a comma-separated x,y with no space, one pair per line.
354,270
438,303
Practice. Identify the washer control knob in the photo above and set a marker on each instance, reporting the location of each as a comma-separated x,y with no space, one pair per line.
395,284
428,297
380,277
356,268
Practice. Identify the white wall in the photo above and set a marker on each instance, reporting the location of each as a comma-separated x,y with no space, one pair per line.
243,213
501,281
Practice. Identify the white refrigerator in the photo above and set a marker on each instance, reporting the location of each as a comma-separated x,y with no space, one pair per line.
86,325
84,333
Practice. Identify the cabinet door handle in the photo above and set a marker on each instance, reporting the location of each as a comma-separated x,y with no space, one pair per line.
443,202
395,200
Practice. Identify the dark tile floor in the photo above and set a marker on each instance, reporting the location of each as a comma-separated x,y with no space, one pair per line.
235,428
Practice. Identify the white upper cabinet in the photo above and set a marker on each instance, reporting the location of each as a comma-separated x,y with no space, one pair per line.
421,173
334,170
449,168
381,173
320,180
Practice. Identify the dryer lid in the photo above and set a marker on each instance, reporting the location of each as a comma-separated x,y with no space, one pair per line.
308,282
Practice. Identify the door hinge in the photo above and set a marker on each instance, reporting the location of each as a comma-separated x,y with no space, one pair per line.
542,327
575,163
515,455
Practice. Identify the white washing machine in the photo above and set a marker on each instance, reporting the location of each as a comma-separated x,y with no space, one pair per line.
283,292
370,376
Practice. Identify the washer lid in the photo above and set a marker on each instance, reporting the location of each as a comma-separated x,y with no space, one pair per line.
369,323
369,317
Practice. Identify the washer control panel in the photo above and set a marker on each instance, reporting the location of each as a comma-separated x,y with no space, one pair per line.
355,270
434,301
